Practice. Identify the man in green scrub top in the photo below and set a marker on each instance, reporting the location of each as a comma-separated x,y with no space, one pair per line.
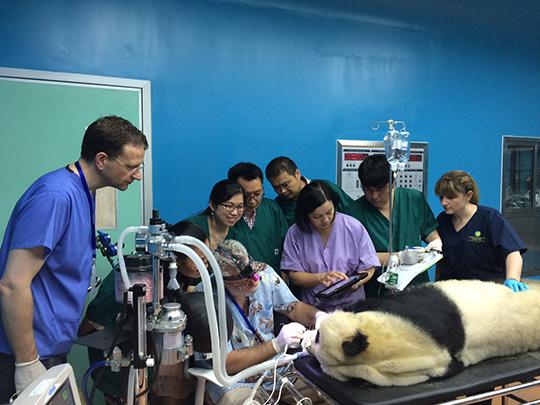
263,227
413,220
287,181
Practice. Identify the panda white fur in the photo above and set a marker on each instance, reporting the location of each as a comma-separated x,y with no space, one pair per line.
433,330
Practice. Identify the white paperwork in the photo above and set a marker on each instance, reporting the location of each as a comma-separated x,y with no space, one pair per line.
406,273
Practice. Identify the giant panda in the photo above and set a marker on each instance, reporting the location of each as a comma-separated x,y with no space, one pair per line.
432,330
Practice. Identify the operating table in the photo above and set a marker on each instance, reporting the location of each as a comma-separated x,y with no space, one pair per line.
479,378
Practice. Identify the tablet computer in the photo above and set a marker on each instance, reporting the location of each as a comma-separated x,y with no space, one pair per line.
341,285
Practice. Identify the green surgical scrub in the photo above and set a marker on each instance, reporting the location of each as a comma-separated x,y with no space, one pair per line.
413,221
103,310
264,242
288,206
202,221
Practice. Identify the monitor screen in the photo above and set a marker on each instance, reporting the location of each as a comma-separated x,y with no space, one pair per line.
63,396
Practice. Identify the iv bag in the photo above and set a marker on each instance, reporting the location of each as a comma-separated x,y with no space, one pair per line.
396,148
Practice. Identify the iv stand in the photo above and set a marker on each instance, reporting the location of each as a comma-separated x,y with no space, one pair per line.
393,171
390,220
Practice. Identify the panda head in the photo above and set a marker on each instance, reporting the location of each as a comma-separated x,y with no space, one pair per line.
341,338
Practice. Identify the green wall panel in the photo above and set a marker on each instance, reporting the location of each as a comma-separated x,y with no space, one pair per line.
42,126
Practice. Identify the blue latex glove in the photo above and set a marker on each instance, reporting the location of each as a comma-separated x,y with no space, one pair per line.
515,286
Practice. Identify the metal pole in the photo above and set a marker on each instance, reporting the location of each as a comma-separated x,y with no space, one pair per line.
390,230
491,394
139,344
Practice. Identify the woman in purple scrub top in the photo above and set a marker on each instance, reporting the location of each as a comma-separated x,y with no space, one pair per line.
324,247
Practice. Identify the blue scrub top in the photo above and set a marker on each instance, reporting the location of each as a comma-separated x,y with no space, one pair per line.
479,249
54,213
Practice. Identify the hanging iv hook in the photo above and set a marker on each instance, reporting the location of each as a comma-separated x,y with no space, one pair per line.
391,125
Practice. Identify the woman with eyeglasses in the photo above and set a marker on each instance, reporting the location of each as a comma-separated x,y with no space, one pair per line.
324,247
225,208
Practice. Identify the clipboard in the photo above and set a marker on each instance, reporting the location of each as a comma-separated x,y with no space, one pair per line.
401,277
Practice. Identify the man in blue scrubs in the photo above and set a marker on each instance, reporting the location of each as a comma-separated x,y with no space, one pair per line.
47,254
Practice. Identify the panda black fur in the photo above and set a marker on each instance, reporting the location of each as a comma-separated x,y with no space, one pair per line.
433,330
412,306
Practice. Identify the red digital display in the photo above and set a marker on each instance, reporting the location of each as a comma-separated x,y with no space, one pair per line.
415,158
354,156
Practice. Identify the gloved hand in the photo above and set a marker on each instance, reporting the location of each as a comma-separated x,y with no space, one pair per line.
435,244
412,256
290,335
319,317
25,373
309,339
514,285
393,261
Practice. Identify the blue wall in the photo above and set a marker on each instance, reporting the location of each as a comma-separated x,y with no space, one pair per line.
253,79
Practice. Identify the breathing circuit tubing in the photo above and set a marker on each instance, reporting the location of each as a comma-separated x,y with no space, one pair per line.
218,330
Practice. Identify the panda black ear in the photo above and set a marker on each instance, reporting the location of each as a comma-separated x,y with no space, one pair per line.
357,345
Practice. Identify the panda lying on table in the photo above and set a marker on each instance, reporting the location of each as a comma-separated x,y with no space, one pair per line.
432,330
